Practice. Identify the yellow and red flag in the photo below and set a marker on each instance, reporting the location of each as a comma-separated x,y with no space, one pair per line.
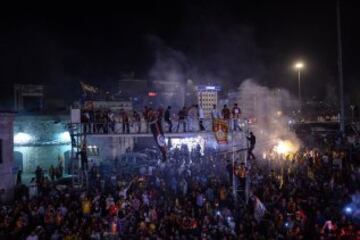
221,129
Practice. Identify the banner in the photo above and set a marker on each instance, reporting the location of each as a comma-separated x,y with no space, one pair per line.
158,135
221,129
259,209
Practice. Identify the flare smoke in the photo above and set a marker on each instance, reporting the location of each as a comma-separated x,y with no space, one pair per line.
270,108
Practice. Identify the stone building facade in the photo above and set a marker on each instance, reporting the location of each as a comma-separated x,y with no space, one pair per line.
7,172
41,140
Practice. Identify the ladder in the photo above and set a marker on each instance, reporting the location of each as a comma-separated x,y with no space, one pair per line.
78,141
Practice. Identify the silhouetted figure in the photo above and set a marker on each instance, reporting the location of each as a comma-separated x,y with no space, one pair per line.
52,173
125,122
19,177
38,174
252,140
201,117
182,119
236,112
137,120
167,118
146,118
160,115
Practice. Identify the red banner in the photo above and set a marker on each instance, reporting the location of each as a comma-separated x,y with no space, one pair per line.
221,129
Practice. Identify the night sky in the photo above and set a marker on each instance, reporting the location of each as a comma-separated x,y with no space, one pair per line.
213,41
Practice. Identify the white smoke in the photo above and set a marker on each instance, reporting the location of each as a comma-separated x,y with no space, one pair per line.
270,108
168,73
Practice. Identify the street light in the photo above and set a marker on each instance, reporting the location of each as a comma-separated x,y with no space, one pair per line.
299,66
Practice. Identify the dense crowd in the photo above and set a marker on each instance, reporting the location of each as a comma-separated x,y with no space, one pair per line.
187,119
191,197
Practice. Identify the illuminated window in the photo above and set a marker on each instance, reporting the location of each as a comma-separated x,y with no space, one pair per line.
92,150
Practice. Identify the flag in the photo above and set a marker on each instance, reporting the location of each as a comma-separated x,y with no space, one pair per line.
88,88
158,133
259,209
123,193
221,131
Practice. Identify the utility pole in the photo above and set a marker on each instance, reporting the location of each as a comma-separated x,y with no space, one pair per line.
340,70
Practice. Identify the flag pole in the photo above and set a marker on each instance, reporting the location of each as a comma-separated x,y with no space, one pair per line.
233,165
340,70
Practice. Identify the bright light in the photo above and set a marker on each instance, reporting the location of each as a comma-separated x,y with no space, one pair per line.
191,143
285,147
210,88
152,94
299,65
22,138
64,137
348,210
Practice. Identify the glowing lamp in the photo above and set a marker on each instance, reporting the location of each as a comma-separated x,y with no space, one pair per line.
299,65
22,138
152,94
210,88
64,137
348,210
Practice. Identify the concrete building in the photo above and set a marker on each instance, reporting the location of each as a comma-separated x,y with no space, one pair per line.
168,93
207,97
41,140
133,89
44,140
7,172
28,98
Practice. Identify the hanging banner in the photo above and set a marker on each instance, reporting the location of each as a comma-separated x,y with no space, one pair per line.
158,134
221,129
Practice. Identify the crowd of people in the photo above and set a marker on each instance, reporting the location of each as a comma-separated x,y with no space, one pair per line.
187,119
192,196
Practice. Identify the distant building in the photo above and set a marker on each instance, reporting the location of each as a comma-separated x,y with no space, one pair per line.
41,140
112,105
7,171
28,98
132,89
167,93
207,97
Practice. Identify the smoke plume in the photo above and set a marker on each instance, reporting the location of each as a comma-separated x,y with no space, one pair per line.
168,73
271,109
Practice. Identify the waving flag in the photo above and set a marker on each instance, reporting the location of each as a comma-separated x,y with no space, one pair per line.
158,133
259,209
88,88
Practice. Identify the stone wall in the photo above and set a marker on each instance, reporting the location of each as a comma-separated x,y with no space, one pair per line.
6,166
46,146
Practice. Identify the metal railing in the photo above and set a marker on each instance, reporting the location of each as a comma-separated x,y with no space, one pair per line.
143,127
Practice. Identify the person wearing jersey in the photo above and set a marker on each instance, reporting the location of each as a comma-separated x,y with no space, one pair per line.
167,118
236,112
146,118
226,114
137,121
182,119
